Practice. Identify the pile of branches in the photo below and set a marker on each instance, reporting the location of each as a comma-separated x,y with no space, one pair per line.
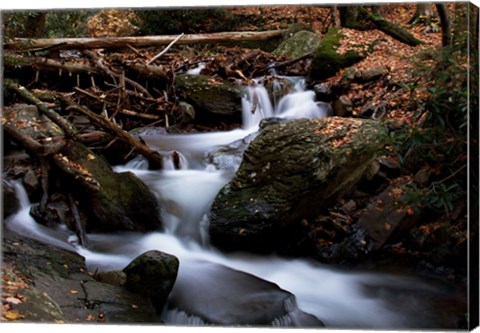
130,86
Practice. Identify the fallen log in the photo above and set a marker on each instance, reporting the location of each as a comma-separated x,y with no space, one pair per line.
394,30
142,41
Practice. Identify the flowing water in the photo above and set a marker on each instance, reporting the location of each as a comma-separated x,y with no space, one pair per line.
341,299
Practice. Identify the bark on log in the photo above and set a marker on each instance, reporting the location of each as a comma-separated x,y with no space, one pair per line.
48,64
109,42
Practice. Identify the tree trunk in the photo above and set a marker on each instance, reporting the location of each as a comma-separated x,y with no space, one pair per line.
423,12
349,16
445,23
106,42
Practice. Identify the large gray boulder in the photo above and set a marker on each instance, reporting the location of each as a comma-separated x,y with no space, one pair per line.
291,171
209,95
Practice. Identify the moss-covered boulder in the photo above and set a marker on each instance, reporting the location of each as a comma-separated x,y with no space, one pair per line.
291,171
209,95
123,201
153,275
327,61
299,44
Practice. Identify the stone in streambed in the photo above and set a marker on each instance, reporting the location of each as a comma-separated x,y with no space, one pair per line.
216,294
153,275
291,171
209,96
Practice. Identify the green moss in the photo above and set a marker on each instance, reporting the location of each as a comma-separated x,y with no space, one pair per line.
327,61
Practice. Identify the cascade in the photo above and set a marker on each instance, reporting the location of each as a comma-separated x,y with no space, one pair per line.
338,298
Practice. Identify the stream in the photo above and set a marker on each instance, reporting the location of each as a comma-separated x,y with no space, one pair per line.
339,298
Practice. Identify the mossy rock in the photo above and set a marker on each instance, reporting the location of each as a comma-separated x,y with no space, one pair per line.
326,61
299,44
152,274
123,202
209,96
290,172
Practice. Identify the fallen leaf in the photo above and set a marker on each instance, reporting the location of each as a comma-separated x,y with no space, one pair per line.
13,300
12,315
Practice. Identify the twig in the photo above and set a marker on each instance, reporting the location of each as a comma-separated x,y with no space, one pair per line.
165,50
81,234
136,51
114,75
87,93
139,115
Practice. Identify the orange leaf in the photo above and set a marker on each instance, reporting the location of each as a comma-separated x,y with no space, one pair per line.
12,315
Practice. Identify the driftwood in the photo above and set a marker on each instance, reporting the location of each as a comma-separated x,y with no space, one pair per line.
115,42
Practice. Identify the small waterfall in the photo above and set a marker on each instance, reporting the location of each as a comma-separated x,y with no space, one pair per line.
256,104
22,195
24,224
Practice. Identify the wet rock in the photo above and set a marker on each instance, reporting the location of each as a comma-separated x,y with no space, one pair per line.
298,44
186,111
385,217
323,92
229,157
33,124
115,278
153,275
55,287
123,202
385,221
342,106
289,172
10,200
31,182
347,78
209,96
219,295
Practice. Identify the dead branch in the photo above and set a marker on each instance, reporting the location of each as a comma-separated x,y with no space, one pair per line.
155,159
108,71
165,49
140,115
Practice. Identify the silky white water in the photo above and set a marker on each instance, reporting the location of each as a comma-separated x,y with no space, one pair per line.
338,298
